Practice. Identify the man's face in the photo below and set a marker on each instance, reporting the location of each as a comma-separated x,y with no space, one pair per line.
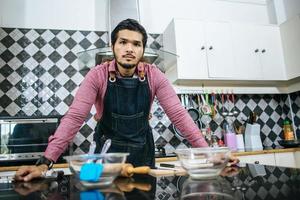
128,49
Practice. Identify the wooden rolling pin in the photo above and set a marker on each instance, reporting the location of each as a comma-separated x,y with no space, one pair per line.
128,170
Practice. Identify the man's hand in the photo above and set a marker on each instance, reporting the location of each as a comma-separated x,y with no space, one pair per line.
233,160
230,171
27,173
25,188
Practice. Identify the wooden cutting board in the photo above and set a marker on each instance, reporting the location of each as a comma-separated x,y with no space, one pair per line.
167,172
164,171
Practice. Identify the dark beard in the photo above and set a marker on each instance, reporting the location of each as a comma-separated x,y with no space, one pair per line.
126,66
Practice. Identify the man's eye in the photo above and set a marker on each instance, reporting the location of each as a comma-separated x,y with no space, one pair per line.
122,42
137,44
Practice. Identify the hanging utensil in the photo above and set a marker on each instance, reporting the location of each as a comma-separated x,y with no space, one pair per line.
228,105
206,110
213,109
182,100
194,113
224,113
235,112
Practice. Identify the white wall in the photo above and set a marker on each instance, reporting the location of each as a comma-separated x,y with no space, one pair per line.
91,14
286,9
272,12
157,14
55,14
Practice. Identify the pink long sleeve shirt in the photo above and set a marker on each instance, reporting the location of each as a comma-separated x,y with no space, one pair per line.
91,92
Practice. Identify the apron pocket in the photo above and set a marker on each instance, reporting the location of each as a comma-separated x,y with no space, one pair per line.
129,125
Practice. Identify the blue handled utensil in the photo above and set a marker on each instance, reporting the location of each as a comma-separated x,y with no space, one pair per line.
91,171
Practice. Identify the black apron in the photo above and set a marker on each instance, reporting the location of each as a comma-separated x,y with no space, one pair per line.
125,120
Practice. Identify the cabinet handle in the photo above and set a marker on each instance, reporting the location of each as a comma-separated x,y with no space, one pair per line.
263,51
256,162
256,50
202,48
210,48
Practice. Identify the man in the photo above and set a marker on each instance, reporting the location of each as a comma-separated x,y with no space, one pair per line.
122,91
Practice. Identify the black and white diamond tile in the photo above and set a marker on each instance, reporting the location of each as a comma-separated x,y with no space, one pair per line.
39,73
270,109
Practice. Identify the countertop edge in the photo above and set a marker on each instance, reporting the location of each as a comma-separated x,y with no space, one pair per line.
246,153
166,159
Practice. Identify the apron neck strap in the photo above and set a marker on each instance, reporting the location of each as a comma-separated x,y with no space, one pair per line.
112,76
140,72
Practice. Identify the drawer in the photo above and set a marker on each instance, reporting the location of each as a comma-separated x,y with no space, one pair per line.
263,159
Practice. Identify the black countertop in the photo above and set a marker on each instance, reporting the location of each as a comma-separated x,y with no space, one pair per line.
248,182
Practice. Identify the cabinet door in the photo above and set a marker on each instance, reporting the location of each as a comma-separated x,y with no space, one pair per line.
191,49
263,159
246,52
290,35
285,159
271,54
297,158
219,50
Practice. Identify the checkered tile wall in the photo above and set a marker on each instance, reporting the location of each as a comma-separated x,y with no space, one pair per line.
40,73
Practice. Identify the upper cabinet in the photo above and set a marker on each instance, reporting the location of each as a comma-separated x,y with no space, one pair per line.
204,50
187,40
220,58
223,51
258,52
290,34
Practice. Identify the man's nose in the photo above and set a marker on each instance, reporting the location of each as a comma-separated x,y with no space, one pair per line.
129,47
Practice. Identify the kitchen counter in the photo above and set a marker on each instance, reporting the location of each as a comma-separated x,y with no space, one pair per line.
265,151
247,182
166,159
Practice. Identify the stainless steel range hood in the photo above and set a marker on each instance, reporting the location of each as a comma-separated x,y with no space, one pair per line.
119,10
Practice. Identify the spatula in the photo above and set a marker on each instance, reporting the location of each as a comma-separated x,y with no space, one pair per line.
91,171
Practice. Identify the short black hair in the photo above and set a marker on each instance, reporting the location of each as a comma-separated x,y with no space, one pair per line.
132,25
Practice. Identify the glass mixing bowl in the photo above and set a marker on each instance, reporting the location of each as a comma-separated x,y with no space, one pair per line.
202,163
112,166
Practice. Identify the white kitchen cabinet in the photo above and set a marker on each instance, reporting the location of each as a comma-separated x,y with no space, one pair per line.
280,159
285,159
219,50
258,52
189,44
246,50
290,35
223,51
297,159
204,50
263,159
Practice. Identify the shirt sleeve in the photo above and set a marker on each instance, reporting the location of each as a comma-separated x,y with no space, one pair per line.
74,118
170,102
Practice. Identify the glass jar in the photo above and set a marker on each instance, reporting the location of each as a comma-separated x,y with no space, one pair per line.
288,133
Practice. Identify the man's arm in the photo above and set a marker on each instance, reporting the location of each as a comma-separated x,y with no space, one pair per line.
176,113
74,118
69,126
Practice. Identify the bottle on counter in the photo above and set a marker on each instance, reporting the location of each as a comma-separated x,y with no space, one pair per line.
214,140
288,132
230,139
